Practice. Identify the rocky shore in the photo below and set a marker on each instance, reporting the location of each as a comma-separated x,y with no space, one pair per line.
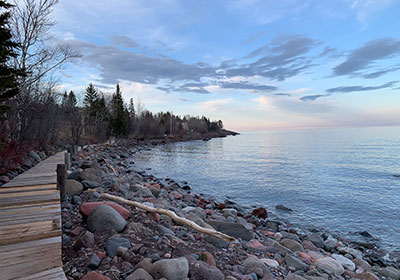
103,239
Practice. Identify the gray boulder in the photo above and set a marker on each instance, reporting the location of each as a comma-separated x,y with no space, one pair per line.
114,242
104,216
295,262
232,229
73,187
172,269
93,174
35,156
331,265
140,274
292,245
89,184
317,240
200,270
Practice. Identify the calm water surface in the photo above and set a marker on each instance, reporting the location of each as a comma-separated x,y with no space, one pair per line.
339,179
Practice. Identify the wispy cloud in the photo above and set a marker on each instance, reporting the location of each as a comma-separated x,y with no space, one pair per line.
214,105
312,97
124,41
366,9
346,89
365,57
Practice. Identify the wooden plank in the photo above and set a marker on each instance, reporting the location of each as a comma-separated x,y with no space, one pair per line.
30,225
55,197
29,231
28,193
51,274
28,188
29,244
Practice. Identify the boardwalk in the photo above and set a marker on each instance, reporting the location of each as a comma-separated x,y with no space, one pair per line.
30,224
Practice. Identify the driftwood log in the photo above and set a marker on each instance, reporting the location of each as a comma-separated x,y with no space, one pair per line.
173,216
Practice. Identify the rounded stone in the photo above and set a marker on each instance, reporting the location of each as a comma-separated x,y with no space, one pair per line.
172,269
104,216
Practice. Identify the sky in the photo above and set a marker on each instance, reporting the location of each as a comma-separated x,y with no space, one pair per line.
255,64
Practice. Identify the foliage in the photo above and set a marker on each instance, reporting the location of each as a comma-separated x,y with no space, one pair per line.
8,74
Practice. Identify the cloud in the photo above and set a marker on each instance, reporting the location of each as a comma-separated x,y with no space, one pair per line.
253,37
312,97
123,41
116,64
282,58
214,105
365,9
346,89
247,86
282,94
366,56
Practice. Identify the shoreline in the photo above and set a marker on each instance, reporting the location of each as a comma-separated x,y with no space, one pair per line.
279,250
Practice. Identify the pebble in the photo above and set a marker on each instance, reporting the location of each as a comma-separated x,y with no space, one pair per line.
172,269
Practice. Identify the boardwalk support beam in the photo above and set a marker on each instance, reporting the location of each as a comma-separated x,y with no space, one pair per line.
61,176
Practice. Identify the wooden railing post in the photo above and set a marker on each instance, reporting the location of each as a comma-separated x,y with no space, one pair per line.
67,159
61,176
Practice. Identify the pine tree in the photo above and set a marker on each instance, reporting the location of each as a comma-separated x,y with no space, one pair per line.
8,74
90,100
71,101
118,116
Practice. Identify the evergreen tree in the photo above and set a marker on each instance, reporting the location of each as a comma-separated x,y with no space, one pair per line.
118,116
71,101
8,74
90,100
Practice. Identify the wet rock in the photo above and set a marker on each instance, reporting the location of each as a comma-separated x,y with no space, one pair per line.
77,200
113,243
35,156
281,249
260,213
217,242
331,265
367,275
270,262
4,179
140,274
94,262
361,263
308,245
66,241
295,262
74,174
172,269
292,245
292,276
85,240
200,270
104,216
89,184
73,187
317,240
42,155
345,262
95,276
232,229
86,164
164,230
283,208
144,192
86,208
92,174
389,272
355,253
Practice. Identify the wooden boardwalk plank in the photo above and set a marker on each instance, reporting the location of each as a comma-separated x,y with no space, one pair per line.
30,224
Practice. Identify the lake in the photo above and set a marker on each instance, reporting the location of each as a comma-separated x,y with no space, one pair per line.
338,179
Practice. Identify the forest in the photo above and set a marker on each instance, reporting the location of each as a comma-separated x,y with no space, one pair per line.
35,112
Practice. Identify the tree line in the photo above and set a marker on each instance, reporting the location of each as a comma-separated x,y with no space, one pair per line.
33,111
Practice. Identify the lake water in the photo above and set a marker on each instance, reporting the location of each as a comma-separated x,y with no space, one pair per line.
338,179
